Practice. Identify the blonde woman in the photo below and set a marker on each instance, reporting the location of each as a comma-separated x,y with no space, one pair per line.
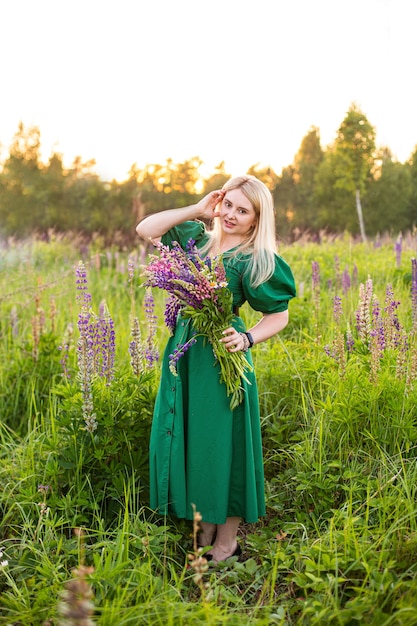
203,453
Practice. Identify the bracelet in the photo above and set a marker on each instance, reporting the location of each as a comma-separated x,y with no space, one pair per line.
250,339
245,342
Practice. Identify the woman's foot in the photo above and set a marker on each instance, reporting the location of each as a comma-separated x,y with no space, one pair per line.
218,554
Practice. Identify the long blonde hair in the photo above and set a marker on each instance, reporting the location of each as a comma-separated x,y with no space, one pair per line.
261,243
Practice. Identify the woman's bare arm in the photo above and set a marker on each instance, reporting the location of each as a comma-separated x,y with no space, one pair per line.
154,226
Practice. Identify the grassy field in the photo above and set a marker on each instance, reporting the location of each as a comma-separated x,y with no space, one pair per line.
338,394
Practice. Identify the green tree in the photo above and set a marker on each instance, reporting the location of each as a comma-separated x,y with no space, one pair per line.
355,149
334,204
216,180
21,198
412,204
166,186
306,164
284,194
388,197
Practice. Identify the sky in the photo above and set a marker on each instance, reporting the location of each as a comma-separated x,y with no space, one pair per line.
242,82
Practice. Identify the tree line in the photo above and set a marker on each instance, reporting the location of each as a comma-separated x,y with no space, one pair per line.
350,186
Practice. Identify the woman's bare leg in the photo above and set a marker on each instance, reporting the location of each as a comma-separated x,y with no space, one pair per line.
226,542
206,534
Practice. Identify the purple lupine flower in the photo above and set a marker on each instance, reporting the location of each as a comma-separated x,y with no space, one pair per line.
412,368
355,275
130,268
136,349
151,351
107,345
85,351
377,331
346,282
172,308
193,254
414,294
315,275
179,352
363,320
82,284
337,269
337,309
376,339
398,247
350,342
392,323
85,356
329,350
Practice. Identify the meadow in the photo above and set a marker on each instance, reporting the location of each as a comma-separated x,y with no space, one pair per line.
338,393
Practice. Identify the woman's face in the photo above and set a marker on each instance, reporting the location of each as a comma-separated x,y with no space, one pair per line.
237,215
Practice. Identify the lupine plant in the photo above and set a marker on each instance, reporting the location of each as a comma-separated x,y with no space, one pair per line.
378,330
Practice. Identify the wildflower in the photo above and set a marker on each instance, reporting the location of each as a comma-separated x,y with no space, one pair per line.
414,293
107,340
197,560
355,275
376,339
179,351
85,351
81,281
346,282
64,348
337,349
391,324
151,351
398,250
194,288
172,309
337,270
337,309
76,606
350,342
315,276
412,368
135,348
130,269
363,319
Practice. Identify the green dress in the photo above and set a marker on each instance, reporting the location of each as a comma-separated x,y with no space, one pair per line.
201,452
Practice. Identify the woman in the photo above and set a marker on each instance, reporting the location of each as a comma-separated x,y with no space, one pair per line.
202,453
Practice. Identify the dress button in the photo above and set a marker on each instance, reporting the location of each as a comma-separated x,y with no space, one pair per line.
168,432
171,410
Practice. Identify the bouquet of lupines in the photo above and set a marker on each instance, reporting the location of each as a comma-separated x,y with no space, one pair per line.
197,288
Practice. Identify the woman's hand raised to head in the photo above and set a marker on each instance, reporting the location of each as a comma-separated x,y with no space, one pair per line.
207,206
157,224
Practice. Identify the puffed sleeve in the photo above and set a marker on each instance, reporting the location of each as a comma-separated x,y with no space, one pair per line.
184,232
273,295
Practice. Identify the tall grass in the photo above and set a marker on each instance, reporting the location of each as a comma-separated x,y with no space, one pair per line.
339,543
